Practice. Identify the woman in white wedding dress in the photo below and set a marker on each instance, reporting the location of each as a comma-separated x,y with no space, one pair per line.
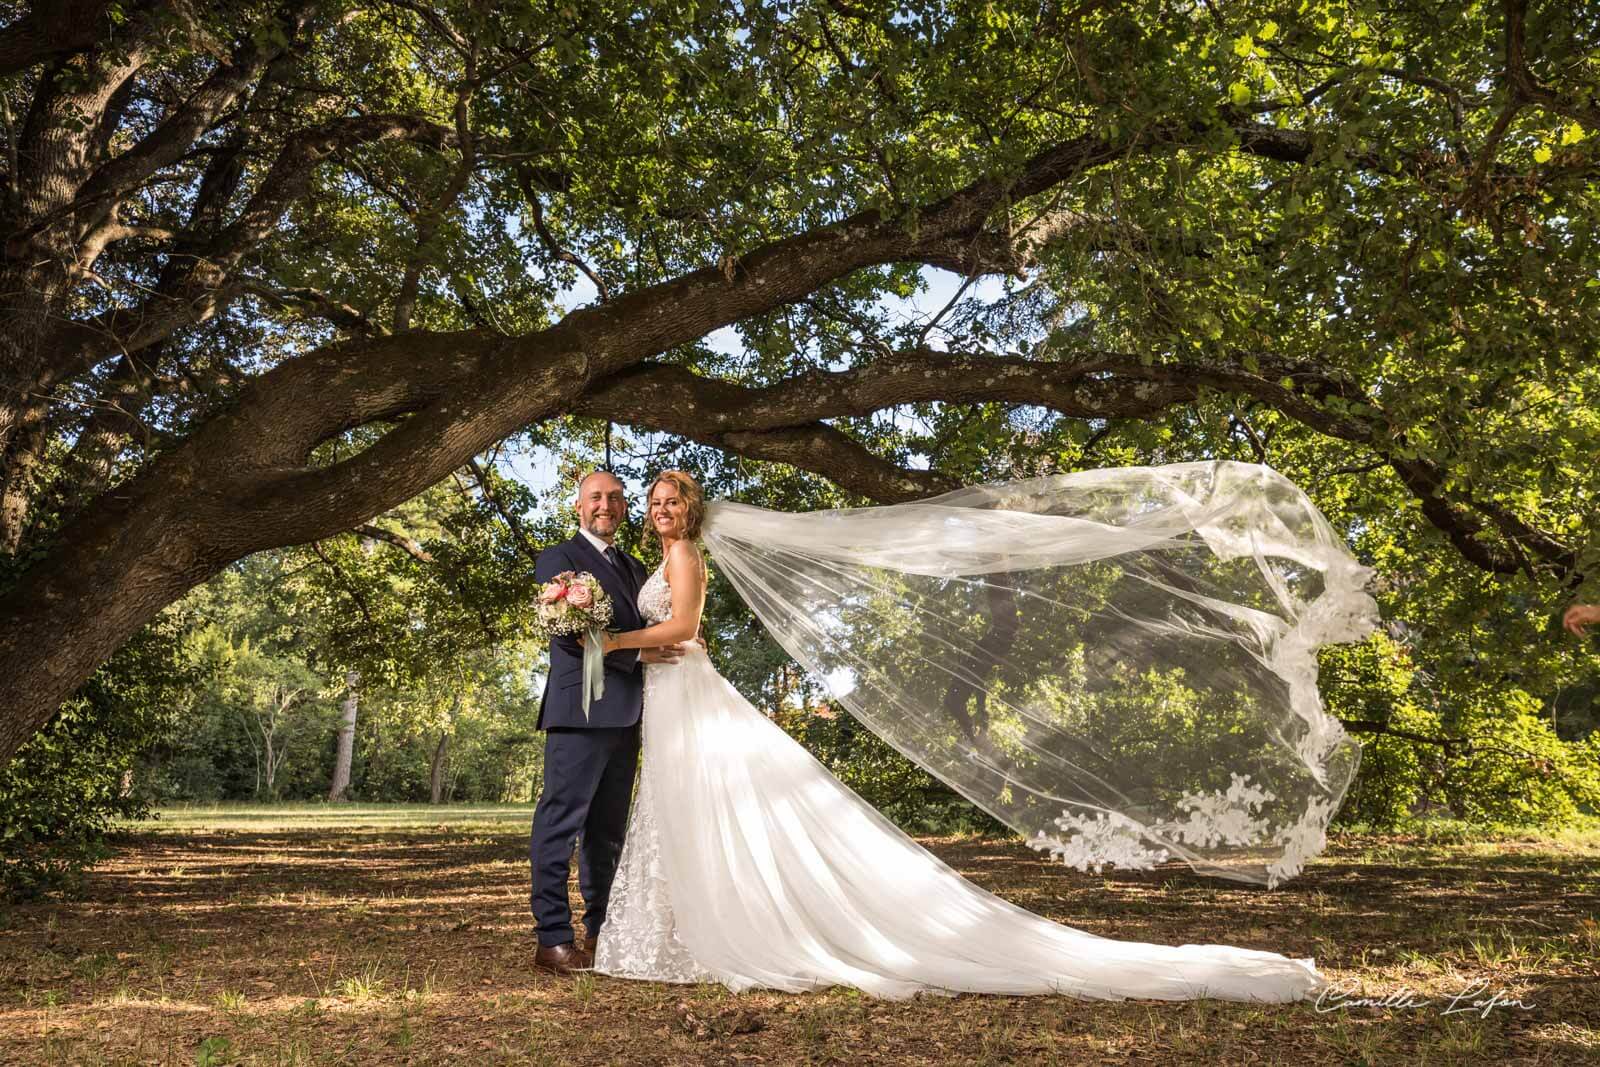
747,863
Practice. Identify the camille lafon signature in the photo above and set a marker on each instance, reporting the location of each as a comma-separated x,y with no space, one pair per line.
1476,998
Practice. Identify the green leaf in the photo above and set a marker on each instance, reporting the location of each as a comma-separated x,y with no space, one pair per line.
1542,154
1240,93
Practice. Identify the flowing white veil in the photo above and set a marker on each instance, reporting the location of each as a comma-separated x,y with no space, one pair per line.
1119,664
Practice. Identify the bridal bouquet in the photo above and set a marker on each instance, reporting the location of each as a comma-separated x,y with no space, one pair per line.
573,603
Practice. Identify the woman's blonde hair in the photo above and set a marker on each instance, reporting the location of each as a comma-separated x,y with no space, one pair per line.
694,500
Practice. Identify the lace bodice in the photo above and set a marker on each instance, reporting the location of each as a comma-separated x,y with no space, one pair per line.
655,597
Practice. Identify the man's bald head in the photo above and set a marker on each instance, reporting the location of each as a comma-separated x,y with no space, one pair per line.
602,506
583,483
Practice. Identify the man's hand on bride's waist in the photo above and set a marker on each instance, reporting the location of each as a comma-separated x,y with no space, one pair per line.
663,653
670,653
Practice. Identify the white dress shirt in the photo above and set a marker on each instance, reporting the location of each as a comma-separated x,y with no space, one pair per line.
599,545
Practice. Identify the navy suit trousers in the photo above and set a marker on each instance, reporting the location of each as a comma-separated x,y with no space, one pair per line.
588,789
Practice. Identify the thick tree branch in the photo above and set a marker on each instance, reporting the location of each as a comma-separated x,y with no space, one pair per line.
180,129
56,145
826,451
159,534
50,31
203,288
398,540
784,420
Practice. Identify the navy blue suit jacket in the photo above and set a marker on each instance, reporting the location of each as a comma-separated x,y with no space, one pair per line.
562,704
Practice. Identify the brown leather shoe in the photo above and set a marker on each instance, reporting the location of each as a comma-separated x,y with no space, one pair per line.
562,959
589,945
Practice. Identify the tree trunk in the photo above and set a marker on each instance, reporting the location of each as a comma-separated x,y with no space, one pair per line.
20,462
255,749
271,764
281,700
347,738
441,758
25,388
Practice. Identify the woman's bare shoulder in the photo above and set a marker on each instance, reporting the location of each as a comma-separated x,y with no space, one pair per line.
685,556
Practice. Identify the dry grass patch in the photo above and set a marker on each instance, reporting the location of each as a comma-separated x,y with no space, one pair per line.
404,938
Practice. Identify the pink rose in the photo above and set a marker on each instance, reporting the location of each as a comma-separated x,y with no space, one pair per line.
552,593
580,597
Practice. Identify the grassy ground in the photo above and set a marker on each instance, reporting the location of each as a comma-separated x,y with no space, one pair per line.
400,935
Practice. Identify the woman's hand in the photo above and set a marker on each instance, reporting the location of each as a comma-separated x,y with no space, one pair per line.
608,642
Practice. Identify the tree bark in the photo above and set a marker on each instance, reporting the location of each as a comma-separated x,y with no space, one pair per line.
783,421
441,758
345,756
271,764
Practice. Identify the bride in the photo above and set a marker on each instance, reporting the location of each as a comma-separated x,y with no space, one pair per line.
747,863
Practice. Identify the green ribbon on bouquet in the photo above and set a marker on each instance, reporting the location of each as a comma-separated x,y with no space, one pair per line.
594,668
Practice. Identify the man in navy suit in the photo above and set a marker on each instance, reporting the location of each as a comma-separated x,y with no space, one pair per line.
589,760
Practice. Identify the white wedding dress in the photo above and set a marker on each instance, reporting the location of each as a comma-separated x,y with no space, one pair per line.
747,863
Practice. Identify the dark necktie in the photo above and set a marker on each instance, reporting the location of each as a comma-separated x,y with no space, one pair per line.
614,558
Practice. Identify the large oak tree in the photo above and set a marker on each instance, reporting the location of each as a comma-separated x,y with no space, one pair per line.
273,269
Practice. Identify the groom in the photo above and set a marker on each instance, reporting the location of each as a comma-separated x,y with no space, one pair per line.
588,760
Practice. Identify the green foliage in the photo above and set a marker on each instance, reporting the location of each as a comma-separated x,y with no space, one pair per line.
79,775
438,641
1519,773
898,788
1452,743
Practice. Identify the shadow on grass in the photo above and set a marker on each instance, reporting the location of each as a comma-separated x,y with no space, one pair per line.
373,945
